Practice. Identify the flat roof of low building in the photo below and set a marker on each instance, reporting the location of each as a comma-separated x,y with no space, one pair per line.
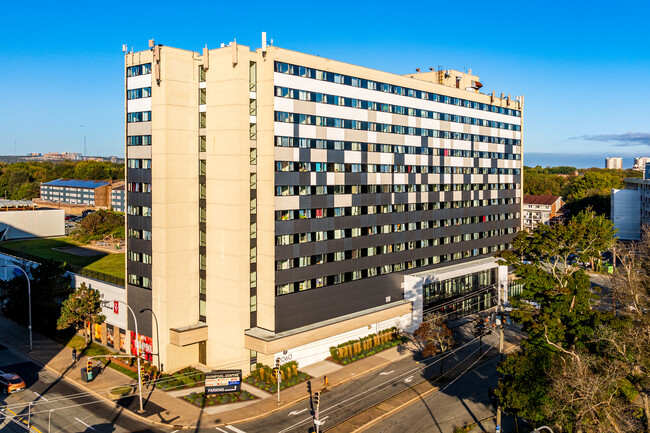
75,183
541,199
16,204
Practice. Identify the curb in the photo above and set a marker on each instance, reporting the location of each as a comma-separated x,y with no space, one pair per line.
134,415
285,405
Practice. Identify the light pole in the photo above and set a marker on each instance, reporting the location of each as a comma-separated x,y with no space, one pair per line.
84,127
539,429
157,334
29,300
137,345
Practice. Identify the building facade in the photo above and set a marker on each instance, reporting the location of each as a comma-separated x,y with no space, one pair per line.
630,208
614,163
83,192
118,198
278,202
541,209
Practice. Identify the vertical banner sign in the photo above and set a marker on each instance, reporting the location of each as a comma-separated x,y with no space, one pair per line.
145,343
222,381
116,307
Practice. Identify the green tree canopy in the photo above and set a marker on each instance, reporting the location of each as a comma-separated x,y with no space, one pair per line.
82,306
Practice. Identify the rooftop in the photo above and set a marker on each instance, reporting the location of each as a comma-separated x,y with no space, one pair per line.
75,183
541,199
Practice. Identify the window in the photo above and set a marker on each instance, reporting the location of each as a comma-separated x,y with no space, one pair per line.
202,95
201,74
139,116
133,71
202,143
144,92
138,140
202,120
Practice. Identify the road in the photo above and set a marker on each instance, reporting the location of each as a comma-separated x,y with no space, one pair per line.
50,405
347,400
461,403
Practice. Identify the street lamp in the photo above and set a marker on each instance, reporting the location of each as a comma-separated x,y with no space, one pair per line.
157,334
539,429
137,345
29,300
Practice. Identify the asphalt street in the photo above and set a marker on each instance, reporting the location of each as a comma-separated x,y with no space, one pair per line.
461,403
52,405
344,401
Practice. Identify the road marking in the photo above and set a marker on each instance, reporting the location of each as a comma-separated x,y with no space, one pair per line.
85,424
235,429
386,373
321,421
16,417
297,412
175,431
40,396
217,428
408,379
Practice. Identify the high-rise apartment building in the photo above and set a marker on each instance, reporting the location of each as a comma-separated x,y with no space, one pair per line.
614,163
279,203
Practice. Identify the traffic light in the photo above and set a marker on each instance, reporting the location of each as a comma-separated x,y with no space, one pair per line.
309,387
89,367
316,397
142,370
277,362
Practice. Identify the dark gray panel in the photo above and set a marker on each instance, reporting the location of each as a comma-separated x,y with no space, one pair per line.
315,305
138,175
139,298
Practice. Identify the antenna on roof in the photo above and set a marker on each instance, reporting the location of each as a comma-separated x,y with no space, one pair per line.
125,48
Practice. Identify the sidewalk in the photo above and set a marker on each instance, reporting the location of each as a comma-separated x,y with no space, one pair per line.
162,408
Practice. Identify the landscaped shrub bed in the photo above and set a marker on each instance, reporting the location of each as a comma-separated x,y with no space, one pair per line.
186,378
355,350
201,400
264,378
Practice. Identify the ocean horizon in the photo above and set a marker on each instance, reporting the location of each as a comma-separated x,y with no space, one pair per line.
577,160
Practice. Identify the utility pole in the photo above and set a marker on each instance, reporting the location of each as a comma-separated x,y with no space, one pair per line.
316,410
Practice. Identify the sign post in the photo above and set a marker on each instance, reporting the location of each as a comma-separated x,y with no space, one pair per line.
222,381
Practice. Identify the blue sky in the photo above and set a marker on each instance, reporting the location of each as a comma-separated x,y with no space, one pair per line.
582,66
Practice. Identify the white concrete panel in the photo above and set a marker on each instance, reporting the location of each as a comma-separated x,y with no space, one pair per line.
352,157
138,82
136,105
109,293
343,200
139,152
335,134
283,104
287,202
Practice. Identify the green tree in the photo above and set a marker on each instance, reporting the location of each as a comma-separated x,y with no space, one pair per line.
564,374
83,306
49,287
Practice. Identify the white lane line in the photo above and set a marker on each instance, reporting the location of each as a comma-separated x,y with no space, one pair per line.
175,431
235,429
40,396
222,431
85,424
322,420
386,373
297,412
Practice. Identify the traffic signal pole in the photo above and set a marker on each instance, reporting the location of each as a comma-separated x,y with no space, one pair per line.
500,314
277,376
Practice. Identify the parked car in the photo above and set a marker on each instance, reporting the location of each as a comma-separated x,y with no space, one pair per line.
11,382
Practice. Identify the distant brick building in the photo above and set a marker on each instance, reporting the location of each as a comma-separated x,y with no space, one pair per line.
541,209
94,193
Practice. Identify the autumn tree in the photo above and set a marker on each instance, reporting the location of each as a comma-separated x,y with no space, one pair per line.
82,306
434,336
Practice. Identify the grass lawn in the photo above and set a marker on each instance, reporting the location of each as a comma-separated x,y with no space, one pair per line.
111,264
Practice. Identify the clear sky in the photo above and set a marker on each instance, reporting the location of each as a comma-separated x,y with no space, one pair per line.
582,66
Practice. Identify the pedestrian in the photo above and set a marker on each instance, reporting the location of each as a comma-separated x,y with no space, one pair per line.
74,355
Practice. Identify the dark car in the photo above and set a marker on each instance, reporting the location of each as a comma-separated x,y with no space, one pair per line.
11,382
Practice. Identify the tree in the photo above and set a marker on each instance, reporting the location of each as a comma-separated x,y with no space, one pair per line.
565,375
434,336
82,306
49,287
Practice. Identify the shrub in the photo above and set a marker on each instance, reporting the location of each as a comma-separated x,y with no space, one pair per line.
121,390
